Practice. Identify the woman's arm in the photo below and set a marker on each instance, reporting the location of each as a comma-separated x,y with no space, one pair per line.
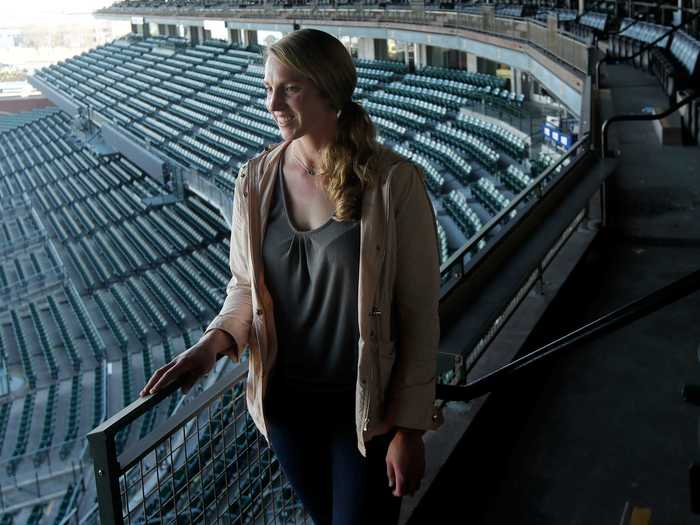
236,314
411,394
228,332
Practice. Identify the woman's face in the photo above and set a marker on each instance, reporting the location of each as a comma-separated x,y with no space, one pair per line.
295,103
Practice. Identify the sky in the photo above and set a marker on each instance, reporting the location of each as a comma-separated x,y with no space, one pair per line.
21,12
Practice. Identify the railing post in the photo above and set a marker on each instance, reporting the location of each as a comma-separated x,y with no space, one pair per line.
104,455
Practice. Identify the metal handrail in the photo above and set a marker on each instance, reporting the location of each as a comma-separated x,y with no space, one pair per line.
637,117
607,59
536,187
614,320
621,30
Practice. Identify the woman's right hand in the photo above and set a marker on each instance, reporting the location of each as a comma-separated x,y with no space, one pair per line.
191,364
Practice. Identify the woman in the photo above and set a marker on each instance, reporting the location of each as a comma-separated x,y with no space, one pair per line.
334,287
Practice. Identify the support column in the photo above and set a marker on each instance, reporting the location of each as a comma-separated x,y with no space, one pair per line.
581,6
193,34
250,36
516,84
365,48
407,55
435,56
381,49
420,54
472,63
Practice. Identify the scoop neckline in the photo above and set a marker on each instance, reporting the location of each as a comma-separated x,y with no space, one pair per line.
290,221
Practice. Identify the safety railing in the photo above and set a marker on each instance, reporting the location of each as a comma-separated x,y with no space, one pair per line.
614,320
205,464
457,265
568,51
605,130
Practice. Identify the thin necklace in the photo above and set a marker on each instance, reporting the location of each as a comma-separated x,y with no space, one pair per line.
309,171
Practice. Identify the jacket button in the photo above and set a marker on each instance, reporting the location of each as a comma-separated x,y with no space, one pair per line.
259,311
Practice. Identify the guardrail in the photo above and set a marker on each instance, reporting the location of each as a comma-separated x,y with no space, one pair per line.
207,463
567,51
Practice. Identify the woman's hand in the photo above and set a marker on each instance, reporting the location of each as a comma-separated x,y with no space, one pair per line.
191,364
405,462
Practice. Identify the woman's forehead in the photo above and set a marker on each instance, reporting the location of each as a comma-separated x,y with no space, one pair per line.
276,72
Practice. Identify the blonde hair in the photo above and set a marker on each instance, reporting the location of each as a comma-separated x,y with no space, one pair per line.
345,163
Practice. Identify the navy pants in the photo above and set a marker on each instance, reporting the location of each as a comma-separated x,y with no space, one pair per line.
313,436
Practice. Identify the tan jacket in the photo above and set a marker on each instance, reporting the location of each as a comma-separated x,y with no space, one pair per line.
398,296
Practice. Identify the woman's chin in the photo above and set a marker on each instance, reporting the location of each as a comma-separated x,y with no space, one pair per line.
289,133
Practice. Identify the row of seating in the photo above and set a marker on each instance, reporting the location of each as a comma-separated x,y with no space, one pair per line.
74,411
47,431
442,243
391,128
469,143
438,97
190,274
594,20
215,275
422,107
465,217
674,59
98,396
23,433
114,326
44,345
68,344
25,359
445,154
487,194
515,179
5,409
477,79
184,293
134,320
65,502
152,312
165,298
514,145
503,98
388,65
403,116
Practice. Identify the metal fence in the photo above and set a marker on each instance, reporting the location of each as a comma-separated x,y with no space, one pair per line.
206,464
566,50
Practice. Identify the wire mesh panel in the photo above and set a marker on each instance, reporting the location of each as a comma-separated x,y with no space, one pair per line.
207,464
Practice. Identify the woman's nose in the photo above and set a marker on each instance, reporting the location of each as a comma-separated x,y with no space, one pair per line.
275,101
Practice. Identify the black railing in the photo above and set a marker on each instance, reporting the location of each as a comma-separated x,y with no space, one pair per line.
605,130
613,321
